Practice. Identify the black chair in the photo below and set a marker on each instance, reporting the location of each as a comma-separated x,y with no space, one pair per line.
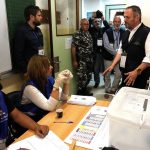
15,130
15,97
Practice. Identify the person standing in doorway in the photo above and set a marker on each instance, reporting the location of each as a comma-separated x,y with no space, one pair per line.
97,34
28,39
82,57
111,41
134,50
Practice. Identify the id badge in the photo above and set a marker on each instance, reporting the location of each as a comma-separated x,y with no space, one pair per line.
41,51
99,42
123,60
111,44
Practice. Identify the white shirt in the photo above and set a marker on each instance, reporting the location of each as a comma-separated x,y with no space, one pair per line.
146,59
32,95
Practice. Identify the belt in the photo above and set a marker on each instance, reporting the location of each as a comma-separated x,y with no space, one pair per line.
2,141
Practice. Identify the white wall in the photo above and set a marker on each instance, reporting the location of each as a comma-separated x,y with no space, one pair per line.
89,6
145,8
5,59
42,4
93,5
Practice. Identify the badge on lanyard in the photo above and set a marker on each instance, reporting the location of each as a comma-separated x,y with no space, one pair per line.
99,42
123,60
111,44
41,52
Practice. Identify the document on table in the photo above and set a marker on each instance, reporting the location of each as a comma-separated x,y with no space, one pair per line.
51,141
82,100
92,131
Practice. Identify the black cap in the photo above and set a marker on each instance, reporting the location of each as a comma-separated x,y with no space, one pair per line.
99,14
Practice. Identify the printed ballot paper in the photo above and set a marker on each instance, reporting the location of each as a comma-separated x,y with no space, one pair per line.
82,100
51,141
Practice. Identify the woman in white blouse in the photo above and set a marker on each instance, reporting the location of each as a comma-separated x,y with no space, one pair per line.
41,92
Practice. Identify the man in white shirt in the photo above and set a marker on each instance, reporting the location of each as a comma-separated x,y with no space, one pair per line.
134,50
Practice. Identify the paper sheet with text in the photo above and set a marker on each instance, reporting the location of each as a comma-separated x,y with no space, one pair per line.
51,141
92,131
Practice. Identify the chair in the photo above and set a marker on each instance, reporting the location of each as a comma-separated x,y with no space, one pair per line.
15,97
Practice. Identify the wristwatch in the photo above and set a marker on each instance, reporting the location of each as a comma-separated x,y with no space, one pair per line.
138,70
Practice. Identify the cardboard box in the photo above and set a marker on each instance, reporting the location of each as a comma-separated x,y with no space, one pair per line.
129,119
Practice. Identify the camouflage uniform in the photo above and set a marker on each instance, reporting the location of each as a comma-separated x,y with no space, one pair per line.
84,49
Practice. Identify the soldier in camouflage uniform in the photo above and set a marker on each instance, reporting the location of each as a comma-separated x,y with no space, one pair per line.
82,57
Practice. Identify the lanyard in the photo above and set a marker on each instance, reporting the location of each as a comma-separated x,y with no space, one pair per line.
35,34
116,38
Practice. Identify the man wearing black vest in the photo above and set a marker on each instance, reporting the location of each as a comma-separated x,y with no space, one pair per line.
134,51
111,41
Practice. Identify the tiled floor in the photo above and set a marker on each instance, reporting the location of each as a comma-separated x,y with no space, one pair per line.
99,92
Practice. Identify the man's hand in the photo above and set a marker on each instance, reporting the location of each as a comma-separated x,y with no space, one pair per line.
109,69
41,130
131,77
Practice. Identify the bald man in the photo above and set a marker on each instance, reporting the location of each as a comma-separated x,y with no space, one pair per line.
134,50
111,40
82,57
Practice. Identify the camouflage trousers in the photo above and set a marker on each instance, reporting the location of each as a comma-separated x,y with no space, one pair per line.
84,75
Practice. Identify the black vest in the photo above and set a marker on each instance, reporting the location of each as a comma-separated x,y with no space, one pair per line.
135,50
109,32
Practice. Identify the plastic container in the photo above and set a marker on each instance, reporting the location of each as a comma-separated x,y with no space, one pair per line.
129,119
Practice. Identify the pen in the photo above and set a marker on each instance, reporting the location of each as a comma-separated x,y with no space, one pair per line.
143,113
63,122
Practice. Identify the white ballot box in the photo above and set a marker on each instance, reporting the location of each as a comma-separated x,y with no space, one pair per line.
129,119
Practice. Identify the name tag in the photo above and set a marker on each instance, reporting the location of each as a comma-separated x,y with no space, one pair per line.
99,42
123,60
41,51
111,44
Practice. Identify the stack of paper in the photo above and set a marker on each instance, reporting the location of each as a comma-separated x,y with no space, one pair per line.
51,141
82,100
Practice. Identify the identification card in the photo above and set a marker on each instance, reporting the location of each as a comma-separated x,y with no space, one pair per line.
99,42
111,44
123,60
41,51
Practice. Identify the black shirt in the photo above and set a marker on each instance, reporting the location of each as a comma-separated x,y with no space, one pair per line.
27,43
9,104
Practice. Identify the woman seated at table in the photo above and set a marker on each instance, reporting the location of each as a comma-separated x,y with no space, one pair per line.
41,93
8,112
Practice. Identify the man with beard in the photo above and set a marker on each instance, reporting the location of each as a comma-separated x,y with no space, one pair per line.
28,39
134,50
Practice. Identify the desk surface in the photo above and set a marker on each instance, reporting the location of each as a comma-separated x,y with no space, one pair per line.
74,113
